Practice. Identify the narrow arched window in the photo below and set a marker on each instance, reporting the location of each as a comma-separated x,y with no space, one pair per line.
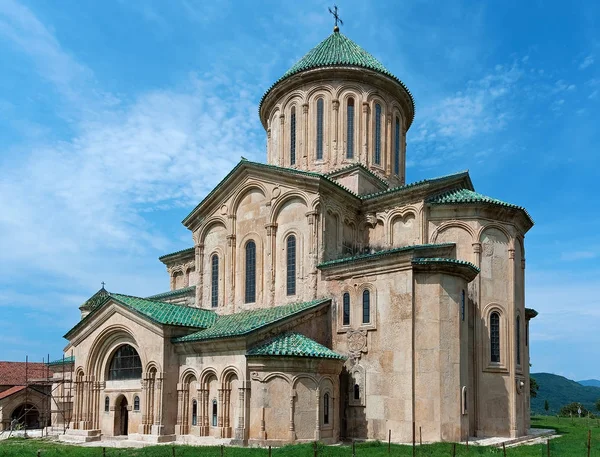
366,306
293,136
397,147
214,281
125,364
518,332
320,129
136,403
291,264
214,413
356,392
326,409
346,309
495,337
462,305
194,412
106,404
377,155
250,295
350,129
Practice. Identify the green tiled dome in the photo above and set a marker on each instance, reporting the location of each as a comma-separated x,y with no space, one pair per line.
337,50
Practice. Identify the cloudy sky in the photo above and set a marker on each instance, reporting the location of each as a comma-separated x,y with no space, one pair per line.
117,117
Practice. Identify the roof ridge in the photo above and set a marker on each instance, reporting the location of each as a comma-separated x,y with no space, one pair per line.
162,257
357,165
415,184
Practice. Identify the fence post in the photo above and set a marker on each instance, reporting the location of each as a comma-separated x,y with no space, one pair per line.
589,443
420,436
39,453
103,452
414,442
353,448
173,451
453,449
222,450
503,448
548,447
269,451
314,449
389,441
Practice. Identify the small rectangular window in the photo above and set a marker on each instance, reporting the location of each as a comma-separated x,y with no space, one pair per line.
462,305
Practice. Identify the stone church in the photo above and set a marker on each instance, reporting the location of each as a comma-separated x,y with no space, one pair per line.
322,297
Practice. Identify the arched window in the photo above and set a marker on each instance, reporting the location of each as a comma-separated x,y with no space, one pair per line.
366,306
495,337
350,129
214,413
125,364
194,412
377,155
250,295
106,404
397,147
356,392
291,265
346,310
464,399
293,136
326,409
136,403
518,332
462,305
320,129
214,281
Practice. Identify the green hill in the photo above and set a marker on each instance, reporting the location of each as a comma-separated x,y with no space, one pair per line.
560,391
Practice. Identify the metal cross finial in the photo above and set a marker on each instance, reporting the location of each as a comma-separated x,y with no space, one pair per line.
335,14
103,283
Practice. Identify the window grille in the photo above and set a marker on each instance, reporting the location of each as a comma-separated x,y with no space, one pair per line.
495,337
377,158
106,404
462,305
350,129
250,296
518,340
136,403
346,310
214,413
397,148
125,364
320,129
293,137
366,307
326,409
291,265
214,292
194,412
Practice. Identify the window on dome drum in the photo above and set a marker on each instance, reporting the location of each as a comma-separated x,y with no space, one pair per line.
495,337
518,332
320,129
291,265
377,157
356,392
293,137
326,409
462,305
350,129
346,310
366,307
214,413
397,147
125,364
214,280
250,295
106,404
136,403
194,412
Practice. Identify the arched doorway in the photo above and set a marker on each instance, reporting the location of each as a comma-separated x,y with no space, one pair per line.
121,417
27,415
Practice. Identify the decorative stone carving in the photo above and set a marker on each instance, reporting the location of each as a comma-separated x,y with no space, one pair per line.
357,343
224,210
255,376
488,249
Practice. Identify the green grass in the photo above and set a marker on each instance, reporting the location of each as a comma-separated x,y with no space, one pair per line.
572,443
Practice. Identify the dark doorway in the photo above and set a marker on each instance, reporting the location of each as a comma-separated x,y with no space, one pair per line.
26,415
121,417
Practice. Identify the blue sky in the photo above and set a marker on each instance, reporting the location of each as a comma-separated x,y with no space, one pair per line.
117,117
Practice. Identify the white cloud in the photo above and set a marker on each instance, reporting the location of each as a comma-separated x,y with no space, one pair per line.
589,60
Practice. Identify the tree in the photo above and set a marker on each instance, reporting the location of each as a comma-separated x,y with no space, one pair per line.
533,387
572,408
598,404
546,405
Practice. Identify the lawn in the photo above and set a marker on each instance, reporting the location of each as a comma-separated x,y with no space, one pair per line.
572,443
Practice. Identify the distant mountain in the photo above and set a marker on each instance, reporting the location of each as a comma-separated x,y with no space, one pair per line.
560,391
590,382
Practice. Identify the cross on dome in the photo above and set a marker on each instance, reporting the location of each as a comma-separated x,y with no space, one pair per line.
335,14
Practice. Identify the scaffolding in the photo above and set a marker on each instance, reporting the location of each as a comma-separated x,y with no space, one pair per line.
54,388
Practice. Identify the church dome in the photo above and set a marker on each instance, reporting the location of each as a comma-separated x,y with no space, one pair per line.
337,50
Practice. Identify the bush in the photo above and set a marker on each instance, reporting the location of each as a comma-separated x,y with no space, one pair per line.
572,408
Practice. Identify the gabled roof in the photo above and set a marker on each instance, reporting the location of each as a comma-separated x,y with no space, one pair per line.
171,293
156,311
19,373
466,196
162,258
293,345
245,322
12,390
343,170
337,50
382,253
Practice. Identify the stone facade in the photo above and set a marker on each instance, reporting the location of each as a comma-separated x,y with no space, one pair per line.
323,298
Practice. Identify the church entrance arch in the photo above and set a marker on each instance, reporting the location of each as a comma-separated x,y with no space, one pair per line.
121,417
26,415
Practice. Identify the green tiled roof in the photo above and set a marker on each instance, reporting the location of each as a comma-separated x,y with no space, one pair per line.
157,311
423,182
382,253
244,322
294,345
95,300
530,313
361,166
172,293
66,360
337,50
433,260
162,258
